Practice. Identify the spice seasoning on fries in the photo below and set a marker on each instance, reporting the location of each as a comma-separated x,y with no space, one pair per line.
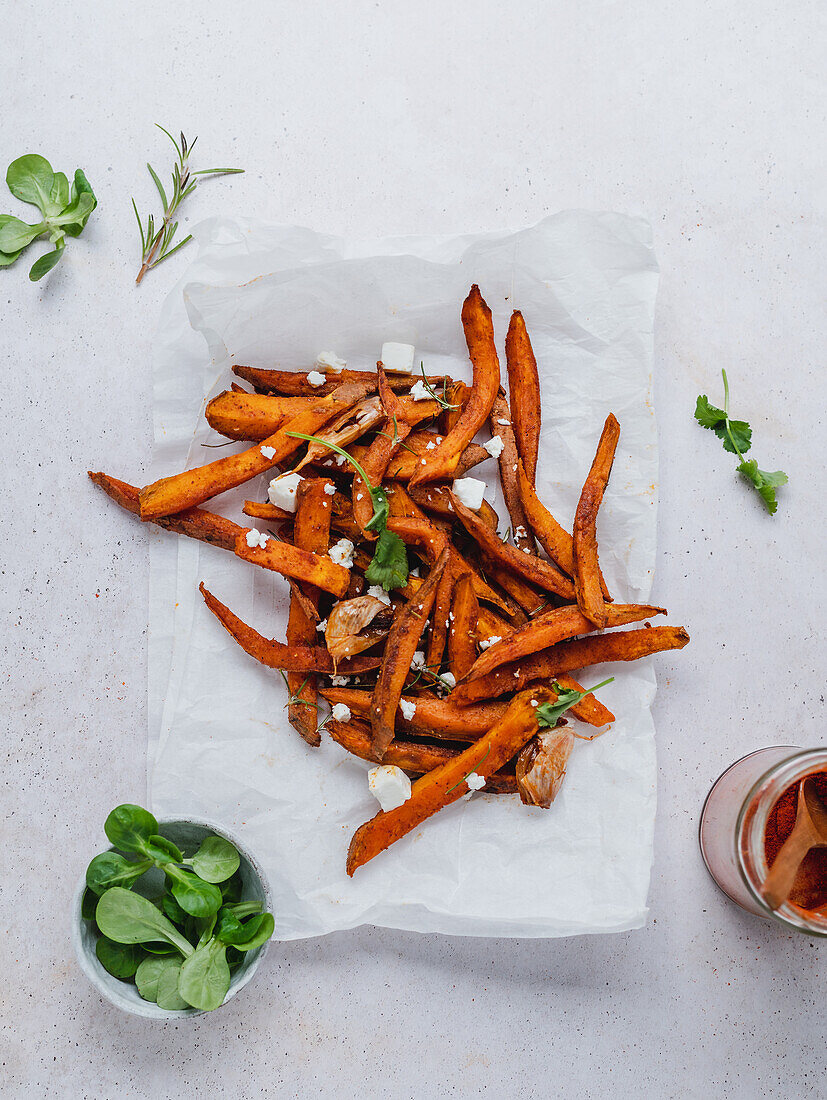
443,650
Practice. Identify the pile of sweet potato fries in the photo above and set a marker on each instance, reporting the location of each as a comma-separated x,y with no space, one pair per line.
463,637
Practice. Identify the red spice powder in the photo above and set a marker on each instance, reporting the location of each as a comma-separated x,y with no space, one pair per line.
810,887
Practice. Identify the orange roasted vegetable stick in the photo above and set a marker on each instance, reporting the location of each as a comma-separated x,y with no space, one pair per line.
275,654
294,383
442,462
252,416
378,454
191,487
403,463
400,647
445,784
553,627
440,622
584,535
291,561
462,635
625,645
528,598
500,422
534,569
411,756
256,510
196,523
432,717
311,532
524,392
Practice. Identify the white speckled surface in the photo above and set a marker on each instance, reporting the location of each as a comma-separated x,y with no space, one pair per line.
379,118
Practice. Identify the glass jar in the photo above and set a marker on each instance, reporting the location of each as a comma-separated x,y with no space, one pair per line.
734,821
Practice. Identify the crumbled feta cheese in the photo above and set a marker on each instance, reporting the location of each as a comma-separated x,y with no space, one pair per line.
419,392
268,452
486,643
520,532
469,491
449,680
315,378
330,489
526,549
534,702
339,681
430,445
341,712
418,660
389,786
340,460
414,572
322,626
379,593
329,360
408,709
282,491
342,553
256,538
359,496
398,357
494,446
475,782
505,423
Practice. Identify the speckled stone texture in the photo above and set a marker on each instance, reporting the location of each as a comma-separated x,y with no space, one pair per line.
376,118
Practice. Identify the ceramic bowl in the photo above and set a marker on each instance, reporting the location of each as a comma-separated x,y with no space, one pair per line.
187,834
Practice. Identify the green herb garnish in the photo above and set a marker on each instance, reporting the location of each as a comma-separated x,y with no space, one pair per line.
548,714
156,244
435,396
389,566
65,211
178,949
736,436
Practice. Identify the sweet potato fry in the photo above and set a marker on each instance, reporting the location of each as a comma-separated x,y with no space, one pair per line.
442,462
534,569
524,391
196,523
528,598
433,717
311,533
294,383
172,494
500,421
290,561
625,645
455,396
400,647
553,627
446,783
462,635
440,622
251,416
403,464
275,654
411,756
584,535
436,499
257,510
379,453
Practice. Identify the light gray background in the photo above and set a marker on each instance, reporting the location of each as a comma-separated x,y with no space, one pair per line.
384,118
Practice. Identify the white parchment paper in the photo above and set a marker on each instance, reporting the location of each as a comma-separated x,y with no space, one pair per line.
220,744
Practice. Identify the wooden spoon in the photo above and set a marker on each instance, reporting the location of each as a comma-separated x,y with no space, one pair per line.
809,831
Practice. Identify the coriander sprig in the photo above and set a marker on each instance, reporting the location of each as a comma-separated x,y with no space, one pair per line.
548,714
156,244
736,436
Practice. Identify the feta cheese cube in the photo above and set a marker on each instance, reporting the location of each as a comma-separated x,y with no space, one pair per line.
408,709
494,446
419,391
469,491
315,378
341,712
342,553
329,360
389,786
449,680
268,452
398,357
282,491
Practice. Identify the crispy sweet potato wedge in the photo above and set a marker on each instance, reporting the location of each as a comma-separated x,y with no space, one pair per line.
552,627
411,756
275,654
438,633
252,416
445,784
294,383
290,561
196,523
584,535
433,717
524,391
257,510
462,634
191,487
534,569
625,645
530,599
400,647
500,422
442,462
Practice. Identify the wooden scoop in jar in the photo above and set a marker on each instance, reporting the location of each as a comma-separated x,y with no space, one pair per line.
809,831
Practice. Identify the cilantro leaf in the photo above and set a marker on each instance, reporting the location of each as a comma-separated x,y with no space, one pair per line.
766,483
389,566
381,508
548,714
707,415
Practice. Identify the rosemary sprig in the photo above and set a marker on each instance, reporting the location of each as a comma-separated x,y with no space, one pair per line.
156,244
432,394
396,441
478,763
294,699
